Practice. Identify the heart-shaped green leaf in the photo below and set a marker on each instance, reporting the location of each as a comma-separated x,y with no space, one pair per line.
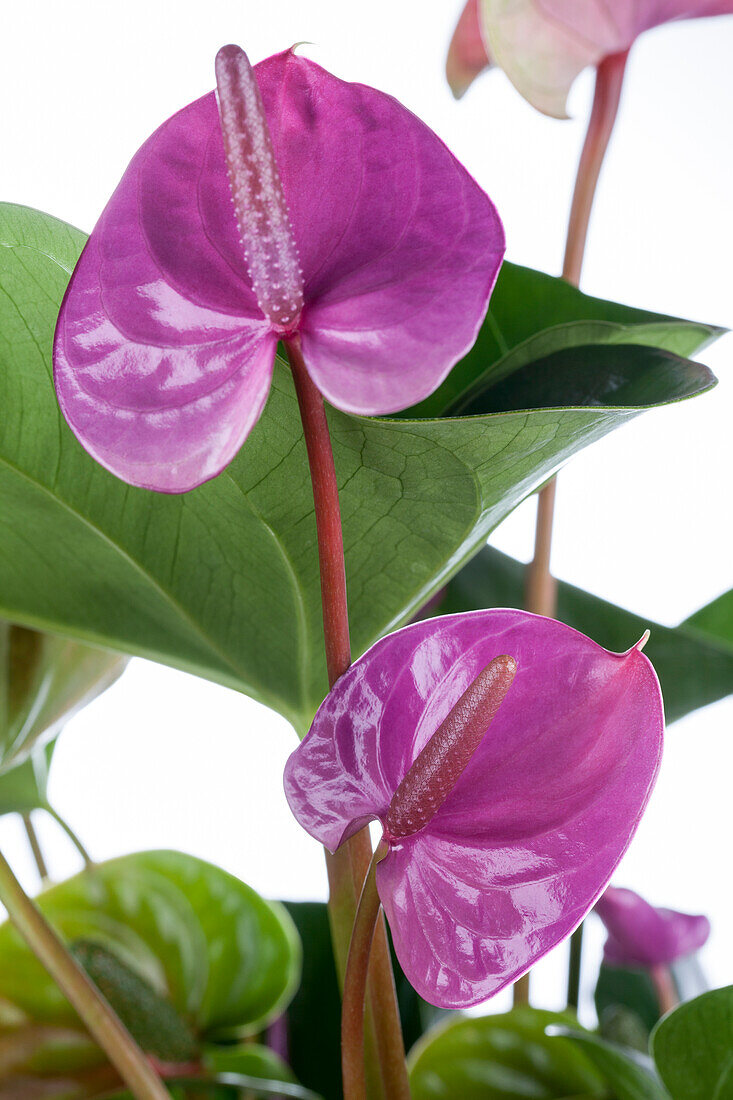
221,957
693,1047
502,1057
629,1075
694,661
224,580
44,680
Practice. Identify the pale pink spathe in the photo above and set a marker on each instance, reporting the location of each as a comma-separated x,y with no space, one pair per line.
542,45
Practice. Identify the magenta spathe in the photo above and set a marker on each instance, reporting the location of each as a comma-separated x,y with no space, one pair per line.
529,836
386,247
640,934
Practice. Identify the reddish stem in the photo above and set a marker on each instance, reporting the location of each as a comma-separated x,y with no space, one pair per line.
665,988
540,585
348,867
352,1011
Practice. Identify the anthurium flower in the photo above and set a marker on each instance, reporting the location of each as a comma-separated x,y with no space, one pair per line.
639,934
297,206
494,854
467,56
542,45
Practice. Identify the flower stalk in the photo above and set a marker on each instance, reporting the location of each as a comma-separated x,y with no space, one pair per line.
102,1023
540,585
348,868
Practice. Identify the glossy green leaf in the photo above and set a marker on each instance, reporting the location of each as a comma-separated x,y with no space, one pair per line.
223,581
224,958
693,1047
504,1057
44,681
25,787
630,1075
694,661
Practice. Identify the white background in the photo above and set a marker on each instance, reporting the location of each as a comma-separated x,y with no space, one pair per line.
165,760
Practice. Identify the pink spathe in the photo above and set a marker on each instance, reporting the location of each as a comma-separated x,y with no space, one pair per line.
522,847
384,247
467,56
542,45
639,934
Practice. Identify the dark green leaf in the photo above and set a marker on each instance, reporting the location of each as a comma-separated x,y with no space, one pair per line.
632,989
223,581
314,1015
629,1074
694,661
693,1047
503,1057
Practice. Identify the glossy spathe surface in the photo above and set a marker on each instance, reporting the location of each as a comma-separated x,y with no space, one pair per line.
639,934
163,358
534,827
542,45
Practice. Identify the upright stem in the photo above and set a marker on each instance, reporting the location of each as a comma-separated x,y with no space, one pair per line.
348,867
101,1022
352,1009
75,840
540,586
35,846
574,967
665,988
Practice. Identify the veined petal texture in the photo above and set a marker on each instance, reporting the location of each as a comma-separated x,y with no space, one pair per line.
535,825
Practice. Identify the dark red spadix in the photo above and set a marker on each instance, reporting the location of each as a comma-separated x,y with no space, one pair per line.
436,770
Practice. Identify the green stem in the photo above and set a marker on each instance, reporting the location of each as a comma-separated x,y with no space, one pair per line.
75,840
386,1070
355,982
35,846
101,1022
574,967
540,585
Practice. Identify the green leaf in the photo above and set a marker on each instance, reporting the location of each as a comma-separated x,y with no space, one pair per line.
694,661
314,1014
223,581
44,681
629,1074
560,316
502,1057
693,1047
226,960
633,989
25,787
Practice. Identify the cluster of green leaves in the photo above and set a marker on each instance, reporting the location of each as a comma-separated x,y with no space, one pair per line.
223,581
192,960
529,1052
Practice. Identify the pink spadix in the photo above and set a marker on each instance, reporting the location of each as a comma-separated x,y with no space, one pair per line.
257,192
438,767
